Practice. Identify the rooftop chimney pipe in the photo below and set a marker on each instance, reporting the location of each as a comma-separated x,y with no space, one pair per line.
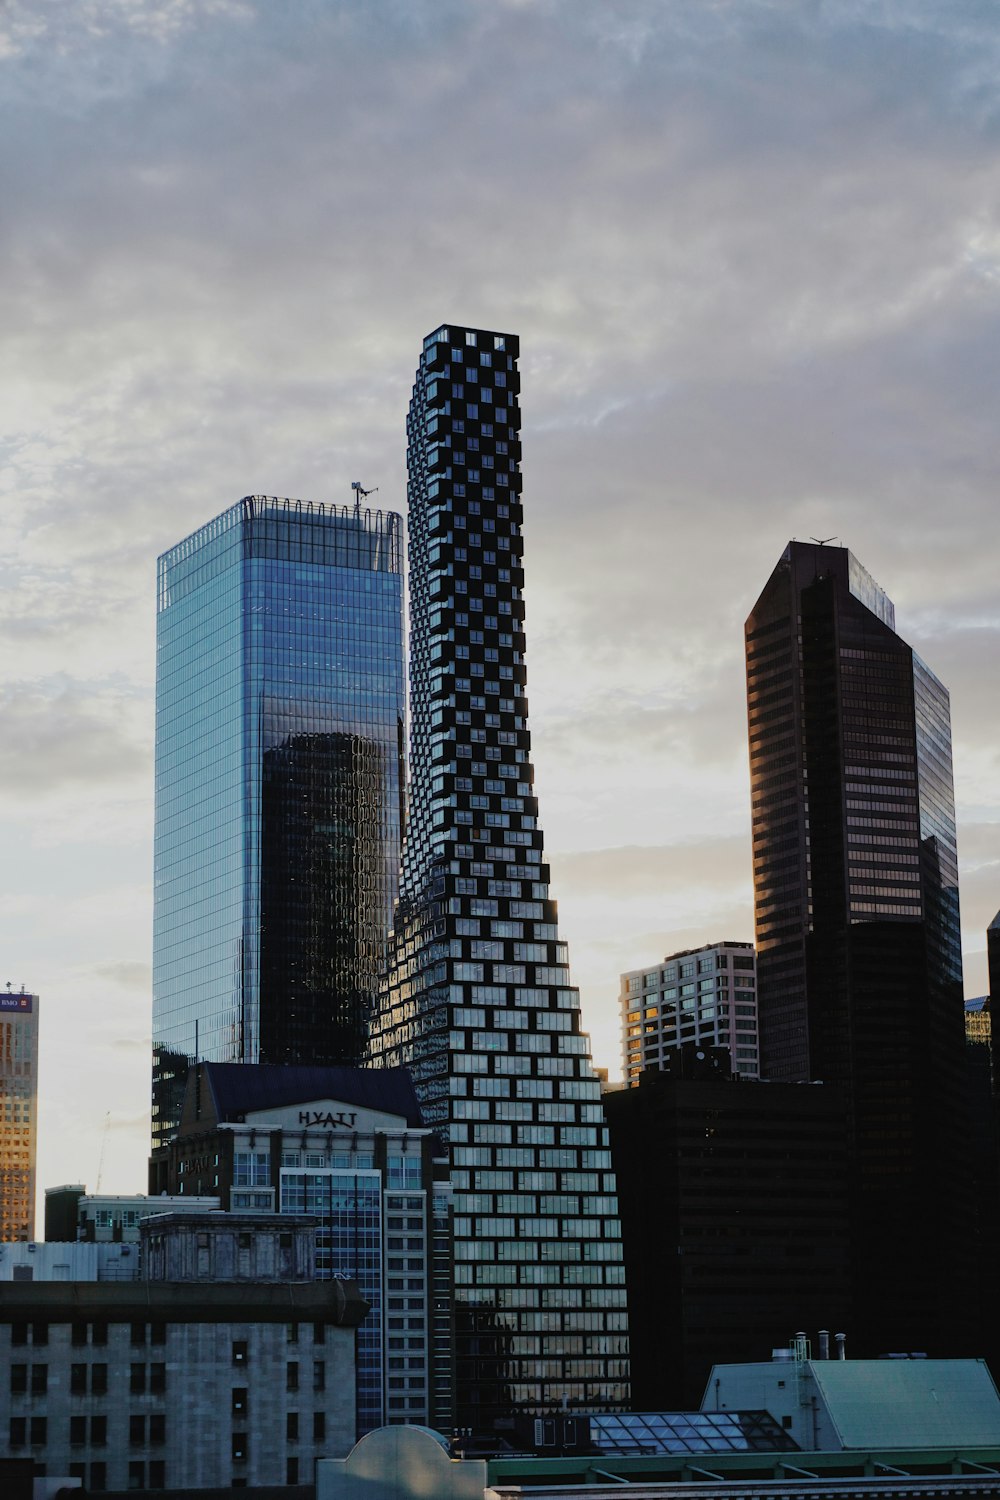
824,1343
841,1339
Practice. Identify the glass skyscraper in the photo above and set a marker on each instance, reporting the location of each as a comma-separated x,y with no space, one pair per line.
480,1004
859,966
279,751
18,1113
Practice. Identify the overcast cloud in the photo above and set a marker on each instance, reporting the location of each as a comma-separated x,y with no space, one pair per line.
752,249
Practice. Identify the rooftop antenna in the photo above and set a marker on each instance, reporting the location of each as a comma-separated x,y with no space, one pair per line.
104,1142
360,493
822,541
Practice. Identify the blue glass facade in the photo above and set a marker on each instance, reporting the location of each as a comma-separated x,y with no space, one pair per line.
349,1245
279,745
479,1004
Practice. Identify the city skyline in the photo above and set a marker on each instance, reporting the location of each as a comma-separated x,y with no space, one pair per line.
739,322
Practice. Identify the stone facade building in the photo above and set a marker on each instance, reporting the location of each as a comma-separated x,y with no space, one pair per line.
163,1385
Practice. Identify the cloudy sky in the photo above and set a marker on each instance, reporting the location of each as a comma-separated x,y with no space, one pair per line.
752,251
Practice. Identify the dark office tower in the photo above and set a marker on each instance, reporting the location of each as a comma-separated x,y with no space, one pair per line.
480,1004
279,734
859,970
733,1198
993,961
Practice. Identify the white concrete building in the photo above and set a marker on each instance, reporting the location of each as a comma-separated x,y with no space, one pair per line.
44,1261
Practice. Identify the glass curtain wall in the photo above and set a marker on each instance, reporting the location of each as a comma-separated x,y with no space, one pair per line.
279,785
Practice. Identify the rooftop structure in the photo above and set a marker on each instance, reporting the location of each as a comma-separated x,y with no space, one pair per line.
412,1463
859,963
173,1386
866,1403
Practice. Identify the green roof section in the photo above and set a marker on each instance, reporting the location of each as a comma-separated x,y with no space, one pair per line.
910,1403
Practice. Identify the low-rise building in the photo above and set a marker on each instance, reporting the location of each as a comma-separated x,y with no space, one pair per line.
899,1402
18,1113
413,1463
166,1385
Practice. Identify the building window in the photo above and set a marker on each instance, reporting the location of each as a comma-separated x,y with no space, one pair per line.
138,1335
38,1432
78,1380
319,1426
158,1379
137,1380
98,1431
239,1448
18,1379
239,1352
292,1375
137,1432
319,1375
291,1471
157,1474
39,1379
18,1432
239,1400
292,1426
251,1169
39,1334
77,1431
137,1474
98,1380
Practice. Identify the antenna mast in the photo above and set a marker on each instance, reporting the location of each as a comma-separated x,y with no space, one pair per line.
360,493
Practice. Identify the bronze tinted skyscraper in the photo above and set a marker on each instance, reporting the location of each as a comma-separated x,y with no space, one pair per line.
856,886
18,1114
481,1006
